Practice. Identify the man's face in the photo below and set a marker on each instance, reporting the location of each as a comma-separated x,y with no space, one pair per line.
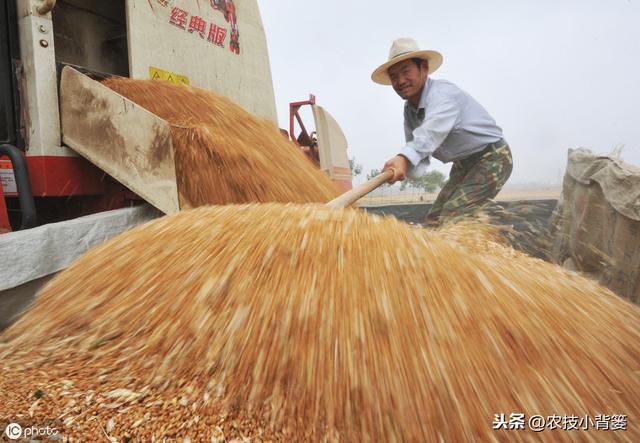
407,79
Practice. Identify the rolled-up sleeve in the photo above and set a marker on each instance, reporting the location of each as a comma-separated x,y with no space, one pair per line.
428,137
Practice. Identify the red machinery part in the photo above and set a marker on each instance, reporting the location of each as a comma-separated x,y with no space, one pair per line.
75,176
305,140
52,176
64,176
293,113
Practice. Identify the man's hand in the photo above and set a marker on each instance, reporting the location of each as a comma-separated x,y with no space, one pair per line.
399,164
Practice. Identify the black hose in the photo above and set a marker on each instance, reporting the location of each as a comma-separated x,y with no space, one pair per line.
23,185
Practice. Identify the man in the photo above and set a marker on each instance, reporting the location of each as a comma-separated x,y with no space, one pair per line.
443,121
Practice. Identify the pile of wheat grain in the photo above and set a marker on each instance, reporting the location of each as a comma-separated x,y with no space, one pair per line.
224,154
299,322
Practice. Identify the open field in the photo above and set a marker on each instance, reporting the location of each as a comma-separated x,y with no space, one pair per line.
388,198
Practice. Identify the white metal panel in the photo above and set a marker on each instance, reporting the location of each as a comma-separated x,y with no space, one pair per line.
164,34
38,81
332,145
34,253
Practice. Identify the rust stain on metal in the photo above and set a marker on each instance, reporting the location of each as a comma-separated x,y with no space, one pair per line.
25,117
160,150
97,124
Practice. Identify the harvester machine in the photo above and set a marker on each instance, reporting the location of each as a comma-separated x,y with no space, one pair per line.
75,157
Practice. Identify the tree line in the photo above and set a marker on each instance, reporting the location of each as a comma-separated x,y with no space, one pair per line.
430,182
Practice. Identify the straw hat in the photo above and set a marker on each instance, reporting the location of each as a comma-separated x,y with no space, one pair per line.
404,49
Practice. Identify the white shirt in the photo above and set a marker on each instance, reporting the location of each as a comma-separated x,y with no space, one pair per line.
448,124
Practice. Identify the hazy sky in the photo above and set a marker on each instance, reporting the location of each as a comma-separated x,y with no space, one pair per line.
554,74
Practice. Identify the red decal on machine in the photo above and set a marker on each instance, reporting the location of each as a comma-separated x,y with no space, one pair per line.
198,25
217,35
178,17
234,41
228,9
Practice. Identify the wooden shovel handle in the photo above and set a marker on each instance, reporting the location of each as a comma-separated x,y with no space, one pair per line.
353,195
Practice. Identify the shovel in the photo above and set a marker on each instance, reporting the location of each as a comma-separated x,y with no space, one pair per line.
355,194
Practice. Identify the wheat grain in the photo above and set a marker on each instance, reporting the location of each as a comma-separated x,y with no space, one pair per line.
299,322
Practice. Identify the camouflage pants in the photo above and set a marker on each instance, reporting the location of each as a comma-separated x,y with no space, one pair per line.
473,182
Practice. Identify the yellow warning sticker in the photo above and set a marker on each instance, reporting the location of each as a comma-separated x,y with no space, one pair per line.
172,77
154,74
